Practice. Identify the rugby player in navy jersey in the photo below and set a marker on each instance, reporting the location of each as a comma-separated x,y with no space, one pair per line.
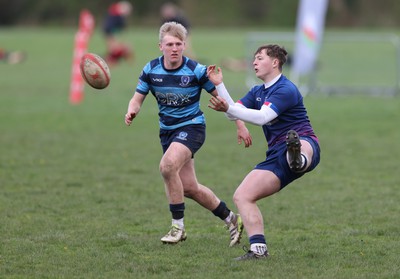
176,82
293,148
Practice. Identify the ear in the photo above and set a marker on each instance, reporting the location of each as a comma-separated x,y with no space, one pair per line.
275,62
160,46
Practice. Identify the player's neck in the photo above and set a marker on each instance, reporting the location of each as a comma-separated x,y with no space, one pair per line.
172,65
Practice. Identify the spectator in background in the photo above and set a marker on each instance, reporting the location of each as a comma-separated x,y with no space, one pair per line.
171,12
114,23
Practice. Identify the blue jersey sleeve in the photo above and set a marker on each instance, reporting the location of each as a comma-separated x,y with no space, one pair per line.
201,73
143,85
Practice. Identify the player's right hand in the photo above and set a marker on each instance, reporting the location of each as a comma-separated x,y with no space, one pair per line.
129,117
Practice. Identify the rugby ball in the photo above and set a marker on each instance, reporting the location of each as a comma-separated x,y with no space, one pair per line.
95,71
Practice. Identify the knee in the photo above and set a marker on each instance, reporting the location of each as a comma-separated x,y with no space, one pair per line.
237,198
189,193
191,189
167,167
241,198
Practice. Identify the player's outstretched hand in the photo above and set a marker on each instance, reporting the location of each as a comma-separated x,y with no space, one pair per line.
215,77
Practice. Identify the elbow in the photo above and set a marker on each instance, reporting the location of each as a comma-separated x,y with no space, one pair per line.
260,123
231,118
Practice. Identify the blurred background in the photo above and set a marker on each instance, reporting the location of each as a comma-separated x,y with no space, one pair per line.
268,13
363,27
79,190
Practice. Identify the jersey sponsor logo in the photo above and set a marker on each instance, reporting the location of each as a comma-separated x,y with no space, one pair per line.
172,99
182,136
157,80
185,80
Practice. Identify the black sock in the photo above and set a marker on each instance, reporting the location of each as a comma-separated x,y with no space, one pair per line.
222,211
177,210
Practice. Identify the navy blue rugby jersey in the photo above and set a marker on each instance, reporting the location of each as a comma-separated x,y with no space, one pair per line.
285,99
177,91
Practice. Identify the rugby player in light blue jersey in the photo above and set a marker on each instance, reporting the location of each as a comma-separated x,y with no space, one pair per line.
176,82
293,147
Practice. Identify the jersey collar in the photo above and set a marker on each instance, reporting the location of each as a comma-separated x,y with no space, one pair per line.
184,59
270,83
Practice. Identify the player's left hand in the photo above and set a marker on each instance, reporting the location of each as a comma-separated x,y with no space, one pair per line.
243,134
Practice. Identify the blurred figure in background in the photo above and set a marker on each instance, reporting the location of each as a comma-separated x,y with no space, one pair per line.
171,12
11,57
114,23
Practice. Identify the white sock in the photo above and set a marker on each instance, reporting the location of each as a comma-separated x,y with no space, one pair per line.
230,218
179,223
258,248
303,160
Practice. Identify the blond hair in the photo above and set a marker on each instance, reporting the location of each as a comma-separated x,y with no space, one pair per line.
174,29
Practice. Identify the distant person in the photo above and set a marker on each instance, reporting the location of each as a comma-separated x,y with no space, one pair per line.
12,57
171,12
114,23
293,149
176,82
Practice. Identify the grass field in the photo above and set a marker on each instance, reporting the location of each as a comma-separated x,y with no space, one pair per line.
81,195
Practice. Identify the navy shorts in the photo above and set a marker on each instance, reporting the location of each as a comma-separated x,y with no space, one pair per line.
191,136
276,162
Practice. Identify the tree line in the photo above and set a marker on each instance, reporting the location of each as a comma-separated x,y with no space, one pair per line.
270,13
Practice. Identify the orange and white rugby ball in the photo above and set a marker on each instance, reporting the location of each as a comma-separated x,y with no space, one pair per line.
95,71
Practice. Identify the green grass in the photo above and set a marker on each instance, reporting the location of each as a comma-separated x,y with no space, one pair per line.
81,195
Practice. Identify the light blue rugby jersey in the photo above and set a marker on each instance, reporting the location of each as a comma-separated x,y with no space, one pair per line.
177,91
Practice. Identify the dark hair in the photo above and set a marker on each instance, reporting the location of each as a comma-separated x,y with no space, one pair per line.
274,51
